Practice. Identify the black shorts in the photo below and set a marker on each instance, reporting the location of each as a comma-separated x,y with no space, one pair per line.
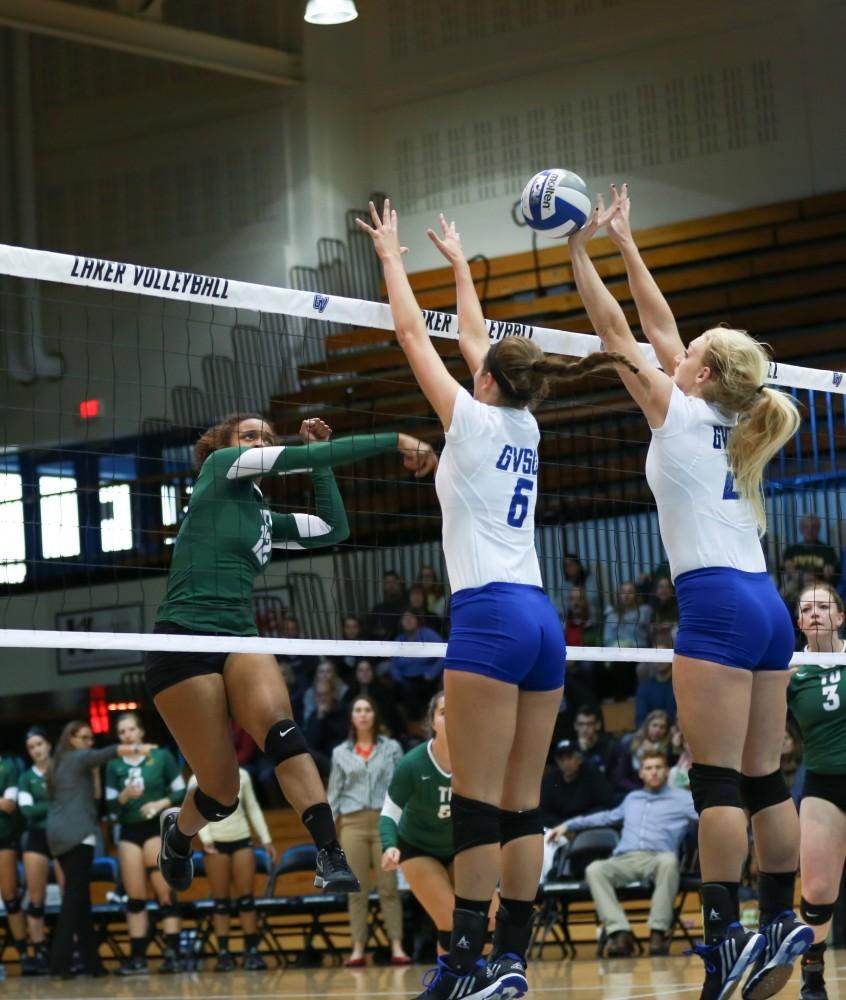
831,787
233,846
35,842
163,670
139,833
10,843
409,851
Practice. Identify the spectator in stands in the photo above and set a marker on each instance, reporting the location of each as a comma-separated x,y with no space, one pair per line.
71,828
436,601
655,687
383,620
571,787
231,870
417,604
625,625
302,667
652,736
417,679
326,727
809,555
596,747
581,628
367,682
352,631
362,768
680,771
665,607
655,820
9,838
576,575
325,671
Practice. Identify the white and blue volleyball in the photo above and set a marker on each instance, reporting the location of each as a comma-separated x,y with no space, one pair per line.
555,202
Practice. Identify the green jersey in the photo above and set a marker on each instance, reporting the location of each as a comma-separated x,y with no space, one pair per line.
417,805
8,790
32,798
157,775
228,532
817,698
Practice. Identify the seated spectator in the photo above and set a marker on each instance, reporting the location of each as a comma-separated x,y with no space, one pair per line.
417,604
301,667
581,628
655,821
417,679
436,600
655,690
625,625
665,607
571,787
383,620
326,671
596,747
352,630
576,575
652,736
811,556
326,727
680,771
367,682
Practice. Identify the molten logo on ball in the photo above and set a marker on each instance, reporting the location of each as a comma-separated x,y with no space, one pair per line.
555,202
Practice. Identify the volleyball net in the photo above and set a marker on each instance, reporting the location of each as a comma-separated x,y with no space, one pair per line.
113,369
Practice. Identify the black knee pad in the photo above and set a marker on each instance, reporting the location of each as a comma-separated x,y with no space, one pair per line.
816,914
221,906
284,740
134,905
13,906
210,809
763,792
35,911
526,823
150,869
714,786
167,910
473,823
246,904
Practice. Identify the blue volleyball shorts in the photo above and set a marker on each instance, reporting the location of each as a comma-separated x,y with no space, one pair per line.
507,631
735,618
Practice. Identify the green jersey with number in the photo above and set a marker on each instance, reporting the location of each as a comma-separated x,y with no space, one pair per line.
157,775
228,532
817,698
417,805
8,790
32,799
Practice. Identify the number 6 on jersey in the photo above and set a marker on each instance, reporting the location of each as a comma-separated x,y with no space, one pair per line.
519,507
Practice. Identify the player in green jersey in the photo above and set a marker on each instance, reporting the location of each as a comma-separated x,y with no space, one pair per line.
9,887
223,543
416,826
817,698
138,788
32,802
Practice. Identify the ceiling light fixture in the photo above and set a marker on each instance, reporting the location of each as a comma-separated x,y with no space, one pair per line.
330,11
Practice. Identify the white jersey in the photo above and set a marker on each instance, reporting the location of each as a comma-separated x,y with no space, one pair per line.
703,521
487,483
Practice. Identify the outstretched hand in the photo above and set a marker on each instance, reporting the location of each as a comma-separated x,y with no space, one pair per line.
599,217
450,245
418,456
384,232
617,217
315,429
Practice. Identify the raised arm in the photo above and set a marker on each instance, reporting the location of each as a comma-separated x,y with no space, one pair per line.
656,317
649,388
438,386
473,340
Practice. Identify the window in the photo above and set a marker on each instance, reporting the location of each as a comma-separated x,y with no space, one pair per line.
115,518
170,497
59,516
12,536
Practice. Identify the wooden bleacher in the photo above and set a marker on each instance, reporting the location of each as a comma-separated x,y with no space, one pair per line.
777,270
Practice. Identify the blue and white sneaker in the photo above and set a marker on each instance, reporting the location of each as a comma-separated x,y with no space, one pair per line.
510,972
726,962
786,940
441,983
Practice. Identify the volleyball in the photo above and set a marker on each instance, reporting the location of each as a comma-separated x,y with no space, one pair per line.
555,202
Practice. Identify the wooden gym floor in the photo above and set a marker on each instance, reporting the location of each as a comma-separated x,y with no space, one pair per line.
620,979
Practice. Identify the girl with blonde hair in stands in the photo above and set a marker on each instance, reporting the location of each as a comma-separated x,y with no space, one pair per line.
504,668
817,699
715,426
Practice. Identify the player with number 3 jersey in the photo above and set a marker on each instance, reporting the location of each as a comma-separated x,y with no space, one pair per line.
504,667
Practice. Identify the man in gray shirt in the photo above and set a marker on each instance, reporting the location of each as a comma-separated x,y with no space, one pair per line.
655,820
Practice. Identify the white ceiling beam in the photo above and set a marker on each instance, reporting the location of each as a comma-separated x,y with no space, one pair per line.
152,39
